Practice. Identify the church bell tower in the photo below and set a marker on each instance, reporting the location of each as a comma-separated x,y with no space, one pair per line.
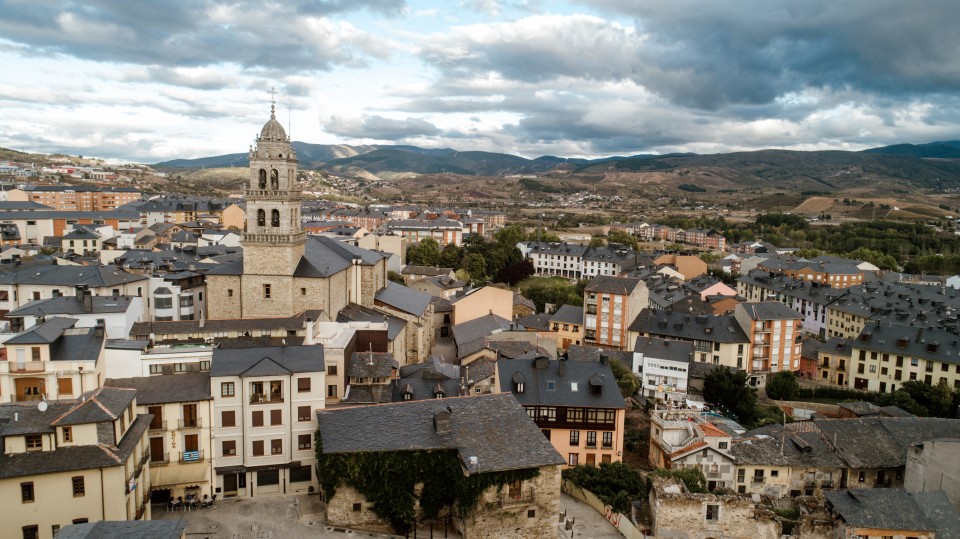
273,243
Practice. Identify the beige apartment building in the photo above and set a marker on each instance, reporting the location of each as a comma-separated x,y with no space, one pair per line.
717,339
884,356
264,417
773,330
180,432
73,461
481,302
610,304
76,197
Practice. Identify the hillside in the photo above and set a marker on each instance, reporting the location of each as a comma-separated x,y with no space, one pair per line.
310,156
949,149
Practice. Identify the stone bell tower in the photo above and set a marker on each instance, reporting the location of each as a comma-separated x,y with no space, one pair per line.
273,243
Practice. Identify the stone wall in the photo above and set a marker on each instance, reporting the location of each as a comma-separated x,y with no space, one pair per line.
532,516
680,515
219,304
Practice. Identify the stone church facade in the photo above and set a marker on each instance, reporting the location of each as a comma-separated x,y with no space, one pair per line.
284,272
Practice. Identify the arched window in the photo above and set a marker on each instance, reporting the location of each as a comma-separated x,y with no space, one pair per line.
274,179
261,218
274,217
263,179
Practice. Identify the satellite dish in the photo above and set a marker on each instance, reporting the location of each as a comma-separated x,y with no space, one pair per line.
42,406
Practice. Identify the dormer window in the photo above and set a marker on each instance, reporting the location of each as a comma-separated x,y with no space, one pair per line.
408,396
518,387
34,442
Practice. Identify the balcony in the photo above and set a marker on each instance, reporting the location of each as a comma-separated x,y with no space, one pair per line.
21,367
263,398
193,423
157,459
156,425
191,456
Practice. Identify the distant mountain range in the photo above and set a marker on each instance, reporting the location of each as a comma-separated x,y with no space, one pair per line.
378,159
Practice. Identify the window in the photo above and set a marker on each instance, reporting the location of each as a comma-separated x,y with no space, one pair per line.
164,303
31,532
722,445
551,385
228,418
332,391
356,507
67,434
303,413
591,438
65,386
574,438
303,291
301,474
774,473
34,442
276,417
156,369
608,439
229,447
266,291
758,476
55,529
229,292
205,365
303,441
741,476
518,387
35,353
78,486
26,492
276,446
712,512
573,459
257,418
268,477
331,370
258,448
531,513
303,384
861,477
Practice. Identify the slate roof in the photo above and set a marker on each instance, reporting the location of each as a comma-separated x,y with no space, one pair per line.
568,314
165,388
684,326
44,333
538,322
77,344
81,457
897,509
266,361
81,233
96,406
582,352
582,373
882,442
904,340
404,299
607,284
801,449
121,529
143,330
17,419
769,310
469,336
357,313
494,429
73,305
422,380
654,348
371,365
516,349
92,276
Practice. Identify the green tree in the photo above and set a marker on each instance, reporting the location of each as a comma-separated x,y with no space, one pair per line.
395,277
476,266
623,238
729,390
597,241
450,257
425,252
783,386
626,380
514,273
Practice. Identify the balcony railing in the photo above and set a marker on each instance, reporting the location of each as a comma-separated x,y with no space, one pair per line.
191,456
25,366
158,425
263,398
159,458
194,423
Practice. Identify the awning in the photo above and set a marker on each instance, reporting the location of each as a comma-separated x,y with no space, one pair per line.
178,474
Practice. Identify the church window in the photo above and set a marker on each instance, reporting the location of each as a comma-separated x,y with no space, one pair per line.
274,179
261,218
263,179
275,218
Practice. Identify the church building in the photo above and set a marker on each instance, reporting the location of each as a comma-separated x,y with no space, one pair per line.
283,271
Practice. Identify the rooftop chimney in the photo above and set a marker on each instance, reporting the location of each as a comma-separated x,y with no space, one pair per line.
441,421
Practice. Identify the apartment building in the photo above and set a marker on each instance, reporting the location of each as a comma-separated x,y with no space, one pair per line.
33,282
264,416
773,330
834,271
73,461
662,367
833,361
681,439
610,304
81,197
886,355
180,431
568,323
576,404
555,259
117,314
717,339
445,231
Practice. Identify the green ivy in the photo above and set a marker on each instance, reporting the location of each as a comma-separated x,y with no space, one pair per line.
389,479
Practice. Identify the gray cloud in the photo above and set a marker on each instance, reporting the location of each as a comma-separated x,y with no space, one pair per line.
186,33
380,128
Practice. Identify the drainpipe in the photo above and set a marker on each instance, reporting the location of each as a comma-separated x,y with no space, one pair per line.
103,502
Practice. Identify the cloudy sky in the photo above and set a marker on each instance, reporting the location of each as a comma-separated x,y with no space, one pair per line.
163,79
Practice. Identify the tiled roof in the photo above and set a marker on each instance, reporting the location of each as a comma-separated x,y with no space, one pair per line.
371,365
92,276
73,305
654,348
96,406
143,330
883,442
469,336
683,326
560,383
404,299
44,333
357,313
267,361
134,529
491,433
897,510
568,314
607,284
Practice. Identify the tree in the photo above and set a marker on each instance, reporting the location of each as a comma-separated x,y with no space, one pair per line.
596,241
623,238
729,389
450,256
476,266
783,386
625,379
395,277
426,252
514,273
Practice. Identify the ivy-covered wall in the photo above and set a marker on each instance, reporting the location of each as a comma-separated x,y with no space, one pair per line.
405,487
